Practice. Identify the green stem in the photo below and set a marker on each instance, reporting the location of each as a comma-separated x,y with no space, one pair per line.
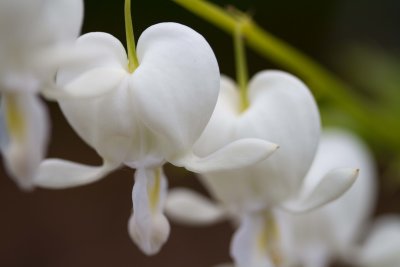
323,83
133,62
241,66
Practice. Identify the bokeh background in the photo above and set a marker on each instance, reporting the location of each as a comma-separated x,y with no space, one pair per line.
87,226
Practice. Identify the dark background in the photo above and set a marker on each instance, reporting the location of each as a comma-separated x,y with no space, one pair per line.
87,226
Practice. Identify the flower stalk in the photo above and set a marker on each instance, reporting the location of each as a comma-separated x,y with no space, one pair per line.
130,38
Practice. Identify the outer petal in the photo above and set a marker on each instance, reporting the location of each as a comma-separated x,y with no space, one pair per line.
238,154
176,85
27,130
281,111
60,174
148,226
382,247
188,207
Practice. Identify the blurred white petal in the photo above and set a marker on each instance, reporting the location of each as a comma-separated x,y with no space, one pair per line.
382,247
60,174
26,124
188,207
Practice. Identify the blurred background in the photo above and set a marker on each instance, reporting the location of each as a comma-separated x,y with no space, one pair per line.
87,226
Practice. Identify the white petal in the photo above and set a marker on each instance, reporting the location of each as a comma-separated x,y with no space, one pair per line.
331,186
238,154
148,227
27,132
249,244
382,247
60,174
63,18
188,207
176,84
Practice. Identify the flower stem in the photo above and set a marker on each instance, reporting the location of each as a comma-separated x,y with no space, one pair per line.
365,116
241,65
133,62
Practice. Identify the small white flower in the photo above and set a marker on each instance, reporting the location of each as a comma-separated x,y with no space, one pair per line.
145,117
331,232
33,35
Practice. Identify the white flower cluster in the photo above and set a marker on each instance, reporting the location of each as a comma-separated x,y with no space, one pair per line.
175,107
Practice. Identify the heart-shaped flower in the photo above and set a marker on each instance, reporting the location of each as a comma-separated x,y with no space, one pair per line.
145,116
281,110
34,36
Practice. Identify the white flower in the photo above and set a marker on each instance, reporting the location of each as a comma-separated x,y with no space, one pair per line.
331,232
32,32
282,111
144,118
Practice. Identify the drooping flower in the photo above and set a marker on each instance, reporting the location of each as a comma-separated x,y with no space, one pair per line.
331,232
281,110
341,230
142,117
32,32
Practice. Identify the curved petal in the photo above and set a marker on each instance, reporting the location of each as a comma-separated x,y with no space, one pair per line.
148,227
382,247
176,85
60,174
27,130
238,154
188,207
330,187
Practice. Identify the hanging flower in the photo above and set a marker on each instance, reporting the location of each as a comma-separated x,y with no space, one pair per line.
280,110
142,115
34,35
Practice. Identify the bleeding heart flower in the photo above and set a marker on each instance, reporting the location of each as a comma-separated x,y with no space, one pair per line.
34,34
281,110
143,117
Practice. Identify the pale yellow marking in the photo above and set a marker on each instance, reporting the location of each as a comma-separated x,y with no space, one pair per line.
268,240
14,118
154,192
